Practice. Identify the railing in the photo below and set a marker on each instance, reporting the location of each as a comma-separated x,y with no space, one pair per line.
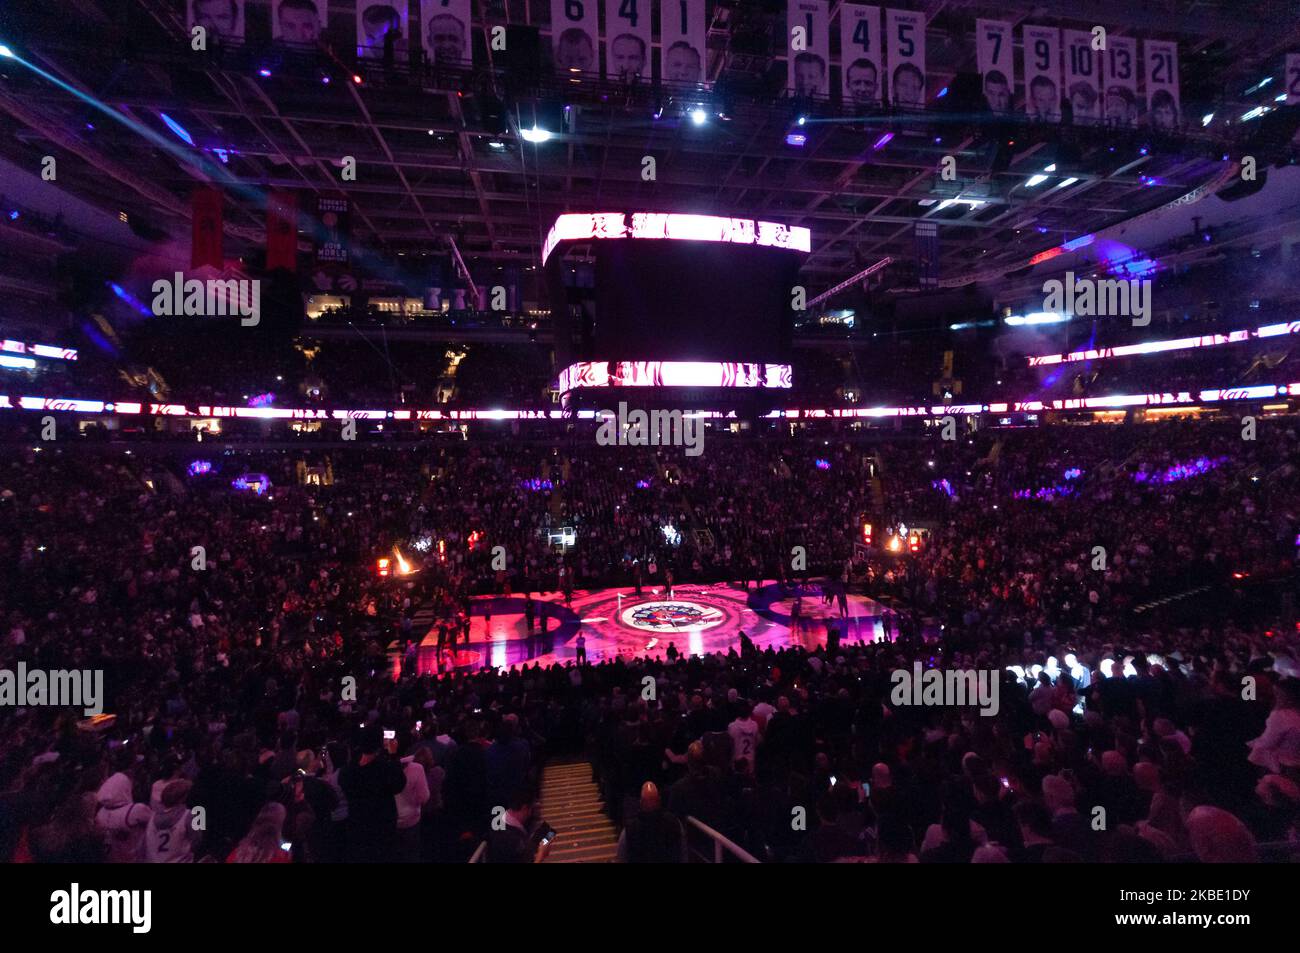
480,854
721,845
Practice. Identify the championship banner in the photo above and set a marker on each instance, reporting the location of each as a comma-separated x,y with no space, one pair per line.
1164,111
627,38
298,22
1082,76
1292,79
682,38
205,247
575,33
223,19
1121,105
379,23
333,241
1042,72
860,56
445,32
809,56
282,231
997,62
906,38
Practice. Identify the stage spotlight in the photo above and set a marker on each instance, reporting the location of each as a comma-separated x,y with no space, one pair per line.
496,144
264,73
883,141
536,135
5,51
699,116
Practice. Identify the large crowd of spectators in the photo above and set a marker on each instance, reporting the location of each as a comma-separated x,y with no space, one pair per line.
253,679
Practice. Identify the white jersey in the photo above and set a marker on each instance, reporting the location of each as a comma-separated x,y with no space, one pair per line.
168,838
744,739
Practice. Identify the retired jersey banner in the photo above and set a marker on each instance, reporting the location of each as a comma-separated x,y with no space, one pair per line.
1121,104
627,39
1082,76
222,19
205,246
445,32
682,40
905,36
299,22
381,24
1292,79
575,36
861,55
808,35
997,63
1042,72
1164,109
282,230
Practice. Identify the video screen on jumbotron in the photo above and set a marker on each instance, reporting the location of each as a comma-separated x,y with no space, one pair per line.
692,301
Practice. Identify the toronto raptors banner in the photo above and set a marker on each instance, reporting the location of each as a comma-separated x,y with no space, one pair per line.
282,231
575,34
682,41
905,30
1042,72
1121,106
997,61
808,38
860,55
1164,111
627,37
1082,77
445,32
205,248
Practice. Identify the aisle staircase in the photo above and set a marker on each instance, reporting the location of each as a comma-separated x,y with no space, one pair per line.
571,804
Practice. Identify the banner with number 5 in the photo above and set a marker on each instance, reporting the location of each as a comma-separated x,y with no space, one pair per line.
905,30
575,34
1164,110
860,59
682,41
627,40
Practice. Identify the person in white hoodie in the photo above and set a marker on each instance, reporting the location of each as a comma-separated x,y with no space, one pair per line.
121,819
169,836
410,803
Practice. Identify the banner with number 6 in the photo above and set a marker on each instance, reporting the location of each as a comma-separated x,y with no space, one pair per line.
575,36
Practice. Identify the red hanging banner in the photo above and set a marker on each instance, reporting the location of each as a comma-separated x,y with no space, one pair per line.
206,245
282,231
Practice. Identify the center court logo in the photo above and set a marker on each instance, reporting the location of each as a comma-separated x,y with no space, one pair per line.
97,907
946,688
210,298
672,617
655,428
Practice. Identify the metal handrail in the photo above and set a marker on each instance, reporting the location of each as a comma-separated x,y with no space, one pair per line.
721,843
